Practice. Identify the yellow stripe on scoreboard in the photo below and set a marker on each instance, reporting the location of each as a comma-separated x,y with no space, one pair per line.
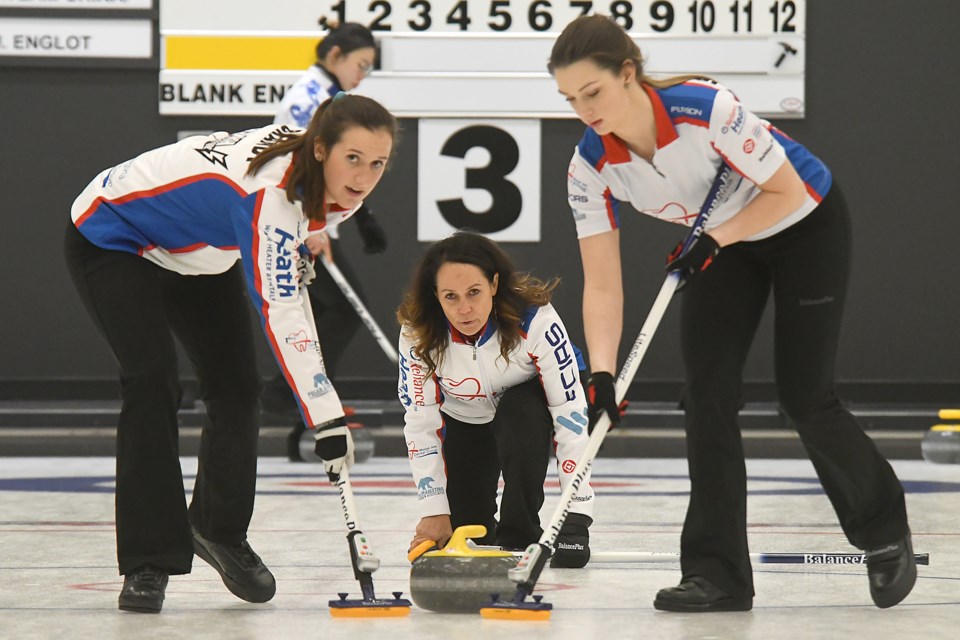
240,52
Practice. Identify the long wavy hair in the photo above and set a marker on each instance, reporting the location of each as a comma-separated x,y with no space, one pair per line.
601,40
333,117
422,316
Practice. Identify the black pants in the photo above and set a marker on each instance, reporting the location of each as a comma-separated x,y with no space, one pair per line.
518,442
807,267
139,307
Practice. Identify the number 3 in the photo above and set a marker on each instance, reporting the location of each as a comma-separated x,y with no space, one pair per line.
507,200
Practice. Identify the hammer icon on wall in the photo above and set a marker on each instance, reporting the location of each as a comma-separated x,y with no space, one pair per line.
787,49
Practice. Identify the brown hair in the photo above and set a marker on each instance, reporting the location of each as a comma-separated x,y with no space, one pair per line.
333,117
422,315
602,41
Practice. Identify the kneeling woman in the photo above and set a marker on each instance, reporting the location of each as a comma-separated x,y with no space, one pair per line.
491,384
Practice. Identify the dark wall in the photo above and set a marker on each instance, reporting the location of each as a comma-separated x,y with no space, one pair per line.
878,112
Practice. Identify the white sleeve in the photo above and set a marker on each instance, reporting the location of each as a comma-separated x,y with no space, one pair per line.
299,102
273,280
594,208
744,140
421,399
557,362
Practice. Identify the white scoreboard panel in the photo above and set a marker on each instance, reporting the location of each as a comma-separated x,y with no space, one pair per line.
474,72
471,58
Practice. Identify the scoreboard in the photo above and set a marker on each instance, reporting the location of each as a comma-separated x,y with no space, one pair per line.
471,58
474,73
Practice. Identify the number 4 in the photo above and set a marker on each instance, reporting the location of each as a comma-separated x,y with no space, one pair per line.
458,15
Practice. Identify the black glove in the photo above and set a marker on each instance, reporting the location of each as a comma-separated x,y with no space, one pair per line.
334,446
374,239
695,259
602,396
573,543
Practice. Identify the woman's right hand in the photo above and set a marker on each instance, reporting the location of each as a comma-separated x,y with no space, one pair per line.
319,243
435,528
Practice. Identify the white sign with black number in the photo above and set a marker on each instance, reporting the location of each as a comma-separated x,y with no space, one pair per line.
666,17
482,175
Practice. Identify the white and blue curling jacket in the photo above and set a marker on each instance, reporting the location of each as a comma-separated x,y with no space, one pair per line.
189,207
467,386
304,96
700,124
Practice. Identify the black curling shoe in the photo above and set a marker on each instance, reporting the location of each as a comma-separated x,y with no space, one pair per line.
242,570
699,595
892,571
143,590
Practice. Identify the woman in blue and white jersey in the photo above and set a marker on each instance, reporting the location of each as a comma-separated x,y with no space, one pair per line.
159,247
658,145
344,57
490,383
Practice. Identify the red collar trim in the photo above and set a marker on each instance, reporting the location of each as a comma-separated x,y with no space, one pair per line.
666,132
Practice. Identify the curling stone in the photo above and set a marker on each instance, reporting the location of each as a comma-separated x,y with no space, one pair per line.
362,444
941,444
461,577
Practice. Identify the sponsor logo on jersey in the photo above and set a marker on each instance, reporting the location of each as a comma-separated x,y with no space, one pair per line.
280,267
282,132
575,422
734,120
425,488
575,197
211,149
579,184
672,211
749,145
411,380
299,340
766,152
568,466
466,389
321,386
687,111
415,453
566,359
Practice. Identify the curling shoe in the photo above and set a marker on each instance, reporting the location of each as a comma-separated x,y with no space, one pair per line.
143,590
242,570
699,595
573,543
892,571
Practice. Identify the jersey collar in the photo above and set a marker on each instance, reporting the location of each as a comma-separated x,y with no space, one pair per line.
615,150
458,338
666,132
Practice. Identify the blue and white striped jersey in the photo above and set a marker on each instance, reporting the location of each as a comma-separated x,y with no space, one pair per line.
190,207
699,125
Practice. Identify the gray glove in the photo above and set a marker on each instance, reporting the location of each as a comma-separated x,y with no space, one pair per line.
305,269
334,446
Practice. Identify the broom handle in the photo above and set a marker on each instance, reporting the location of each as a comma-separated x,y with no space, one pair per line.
528,569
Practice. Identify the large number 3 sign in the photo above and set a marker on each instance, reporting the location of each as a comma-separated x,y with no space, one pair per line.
483,176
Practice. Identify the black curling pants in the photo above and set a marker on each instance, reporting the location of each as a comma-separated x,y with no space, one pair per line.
806,266
518,442
139,308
